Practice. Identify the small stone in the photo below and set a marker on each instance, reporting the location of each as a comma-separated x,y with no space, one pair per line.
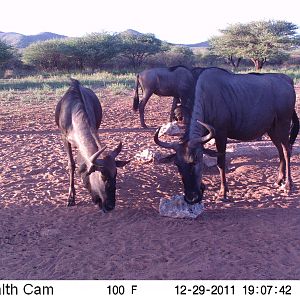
177,207
145,156
170,128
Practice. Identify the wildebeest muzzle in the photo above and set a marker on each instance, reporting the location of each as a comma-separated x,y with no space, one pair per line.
195,197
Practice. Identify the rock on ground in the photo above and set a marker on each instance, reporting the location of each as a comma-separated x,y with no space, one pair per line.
177,207
170,128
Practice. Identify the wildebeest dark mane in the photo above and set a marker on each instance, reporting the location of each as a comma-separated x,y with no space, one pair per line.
198,68
74,91
256,73
217,68
77,94
173,68
197,71
197,129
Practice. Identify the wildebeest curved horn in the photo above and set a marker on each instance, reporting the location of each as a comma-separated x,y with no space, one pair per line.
96,155
211,132
204,139
117,150
166,145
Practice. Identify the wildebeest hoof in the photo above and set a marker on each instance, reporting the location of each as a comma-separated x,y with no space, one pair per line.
286,188
96,200
71,202
279,183
221,197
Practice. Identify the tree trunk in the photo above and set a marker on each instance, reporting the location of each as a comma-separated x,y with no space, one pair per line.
80,61
233,63
238,62
258,63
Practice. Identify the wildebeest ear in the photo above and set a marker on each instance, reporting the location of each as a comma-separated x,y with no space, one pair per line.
122,163
212,153
167,159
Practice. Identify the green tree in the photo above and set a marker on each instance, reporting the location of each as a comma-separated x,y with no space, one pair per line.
137,47
228,44
171,55
6,52
258,41
48,55
90,51
96,49
182,55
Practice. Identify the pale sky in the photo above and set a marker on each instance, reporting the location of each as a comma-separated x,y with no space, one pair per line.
177,21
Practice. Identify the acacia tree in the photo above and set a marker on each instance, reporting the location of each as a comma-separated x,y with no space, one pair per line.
137,47
258,41
90,51
98,48
228,44
48,55
171,55
181,55
6,52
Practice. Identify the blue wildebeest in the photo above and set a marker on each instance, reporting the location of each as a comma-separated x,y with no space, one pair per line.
177,82
241,107
78,115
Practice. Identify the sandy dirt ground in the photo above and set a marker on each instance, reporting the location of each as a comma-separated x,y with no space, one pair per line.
256,236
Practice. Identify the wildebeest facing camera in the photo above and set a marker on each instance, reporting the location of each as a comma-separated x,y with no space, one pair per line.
78,115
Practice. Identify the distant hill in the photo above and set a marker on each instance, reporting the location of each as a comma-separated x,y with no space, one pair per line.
130,32
19,40
197,45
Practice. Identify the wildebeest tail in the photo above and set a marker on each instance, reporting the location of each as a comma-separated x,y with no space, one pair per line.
295,128
136,99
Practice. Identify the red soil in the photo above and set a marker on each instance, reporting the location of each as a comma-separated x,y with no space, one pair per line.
256,236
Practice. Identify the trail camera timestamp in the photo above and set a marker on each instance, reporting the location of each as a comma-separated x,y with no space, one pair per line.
203,289
234,289
267,290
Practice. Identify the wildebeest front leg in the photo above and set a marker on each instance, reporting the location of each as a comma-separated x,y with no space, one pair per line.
71,167
221,148
175,102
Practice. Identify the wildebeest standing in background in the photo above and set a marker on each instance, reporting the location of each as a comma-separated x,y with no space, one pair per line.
78,115
177,82
241,107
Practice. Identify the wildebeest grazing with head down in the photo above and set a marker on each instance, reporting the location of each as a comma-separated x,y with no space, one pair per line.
241,107
78,115
177,82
